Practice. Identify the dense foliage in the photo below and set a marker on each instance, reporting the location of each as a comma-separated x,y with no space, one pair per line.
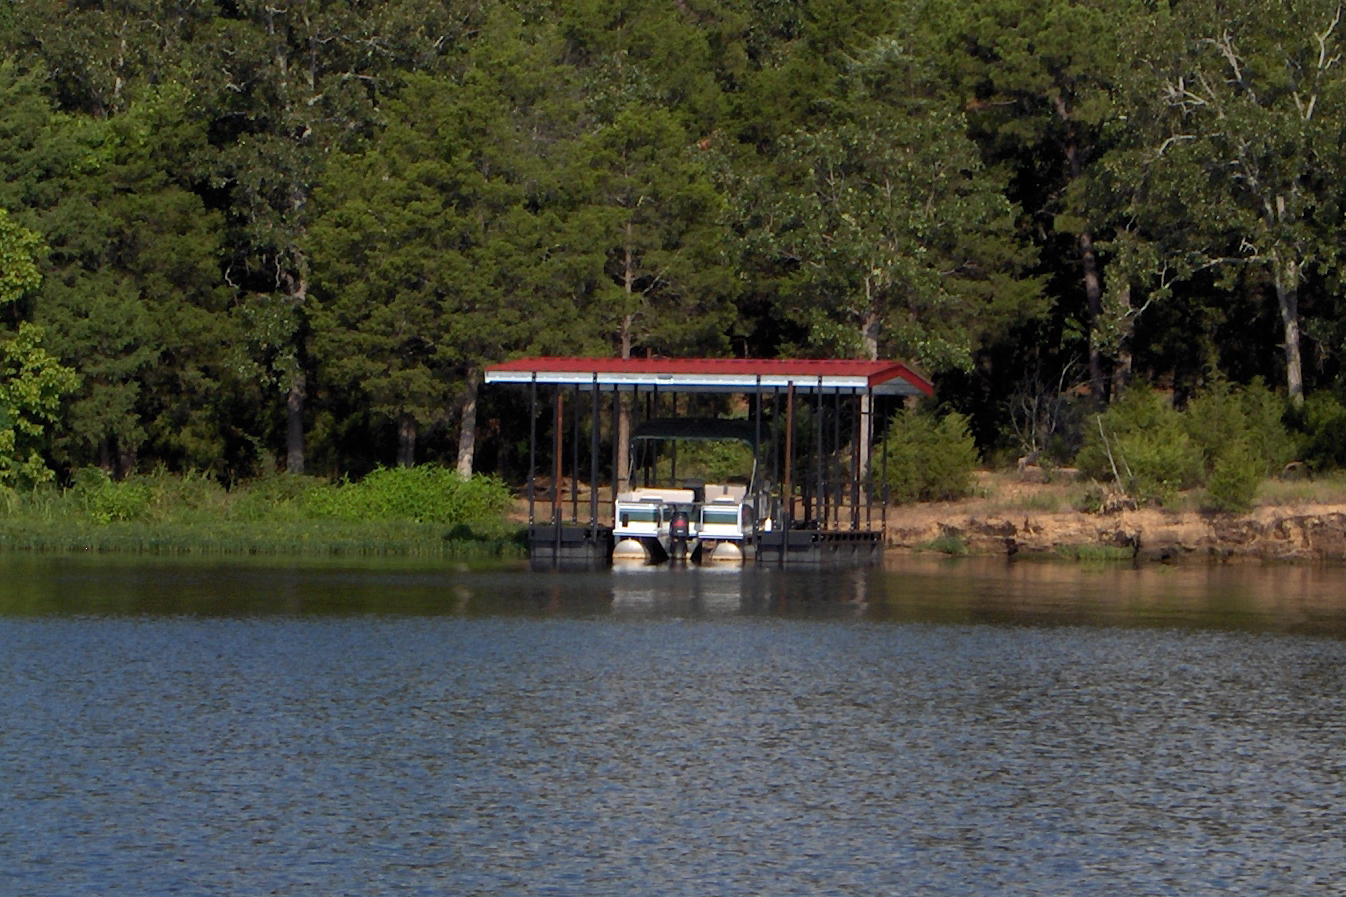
426,512
1227,440
925,458
241,237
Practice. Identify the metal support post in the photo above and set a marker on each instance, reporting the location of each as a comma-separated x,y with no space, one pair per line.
819,511
789,491
558,451
532,444
575,459
594,421
617,479
855,460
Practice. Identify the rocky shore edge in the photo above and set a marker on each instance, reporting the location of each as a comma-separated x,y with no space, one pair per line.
1266,534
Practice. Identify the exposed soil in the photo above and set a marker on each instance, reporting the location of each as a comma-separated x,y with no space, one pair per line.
1007,523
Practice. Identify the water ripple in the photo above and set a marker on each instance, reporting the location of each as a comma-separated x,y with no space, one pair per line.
428,756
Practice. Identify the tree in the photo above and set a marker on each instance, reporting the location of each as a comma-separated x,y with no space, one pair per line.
18,269
902,241
1037,81
437,252
894,226
640,200
32,382
287,84
98,55
132,294
1244,111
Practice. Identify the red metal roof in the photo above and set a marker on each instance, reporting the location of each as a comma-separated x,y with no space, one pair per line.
715,374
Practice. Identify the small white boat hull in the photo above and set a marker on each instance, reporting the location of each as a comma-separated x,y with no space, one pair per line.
725,552
630,551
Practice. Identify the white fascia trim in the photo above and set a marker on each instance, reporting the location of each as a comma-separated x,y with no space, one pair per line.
626,382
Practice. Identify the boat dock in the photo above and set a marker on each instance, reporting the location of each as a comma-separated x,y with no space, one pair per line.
811,491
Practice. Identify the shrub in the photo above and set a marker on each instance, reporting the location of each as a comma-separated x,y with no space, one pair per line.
926,459
1268,438
1252,415
106,501
1144,439
425,494
172,493
1212,418
949,544
1233,481
274,496
1322,422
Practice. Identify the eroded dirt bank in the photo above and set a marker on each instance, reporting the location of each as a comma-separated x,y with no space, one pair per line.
1302,533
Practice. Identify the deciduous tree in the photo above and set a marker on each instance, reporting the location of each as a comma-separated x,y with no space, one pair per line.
32,382
1246,107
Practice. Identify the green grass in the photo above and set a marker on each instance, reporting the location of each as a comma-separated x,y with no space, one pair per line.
1045,501
1329,489
420,515
947,544
226,538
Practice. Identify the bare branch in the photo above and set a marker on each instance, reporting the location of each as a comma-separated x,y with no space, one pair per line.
1225,45
1324,62
1176,138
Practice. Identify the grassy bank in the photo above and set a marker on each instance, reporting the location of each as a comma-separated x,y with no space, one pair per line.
421,513
1008,492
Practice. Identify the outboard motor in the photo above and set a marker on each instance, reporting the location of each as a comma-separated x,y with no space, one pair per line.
679,529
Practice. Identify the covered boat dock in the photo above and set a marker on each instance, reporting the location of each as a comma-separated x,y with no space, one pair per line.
817,495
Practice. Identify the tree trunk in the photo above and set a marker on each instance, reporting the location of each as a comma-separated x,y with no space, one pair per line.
1123,363
1287,295
297,287
621,478
1093,294
406,440
294,424
467,424
105,457
126,460
1093,283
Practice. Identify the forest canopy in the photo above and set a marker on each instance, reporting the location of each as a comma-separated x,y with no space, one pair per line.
240,236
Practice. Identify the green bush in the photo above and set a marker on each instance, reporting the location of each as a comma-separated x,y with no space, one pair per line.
1212,418
1221,415
1228,439
1142,438
425,494
1322,425
1233,481
106,501
274,496
173,493
711,461
926,459
1268,437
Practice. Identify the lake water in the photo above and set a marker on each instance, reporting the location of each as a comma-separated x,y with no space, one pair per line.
933,728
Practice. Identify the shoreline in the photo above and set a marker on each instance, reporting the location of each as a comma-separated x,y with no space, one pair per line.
1025,516
1274,534
1006,518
